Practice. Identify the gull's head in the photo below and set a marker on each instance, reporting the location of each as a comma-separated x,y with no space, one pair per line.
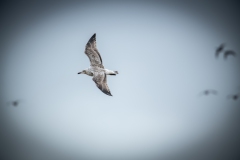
82,72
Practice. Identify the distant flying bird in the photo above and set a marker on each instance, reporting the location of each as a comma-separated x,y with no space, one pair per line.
208,92
96,68
233,96
219,49
228,53
14,103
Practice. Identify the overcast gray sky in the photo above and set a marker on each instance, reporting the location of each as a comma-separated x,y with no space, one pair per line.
164,53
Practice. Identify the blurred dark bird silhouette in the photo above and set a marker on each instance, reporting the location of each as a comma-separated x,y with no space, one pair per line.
14,103
233,96
219,49
228,53
208,92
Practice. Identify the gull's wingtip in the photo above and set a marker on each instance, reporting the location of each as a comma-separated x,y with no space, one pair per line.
93,37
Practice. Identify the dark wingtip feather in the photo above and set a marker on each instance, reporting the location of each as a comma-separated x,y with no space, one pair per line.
93,38
107,93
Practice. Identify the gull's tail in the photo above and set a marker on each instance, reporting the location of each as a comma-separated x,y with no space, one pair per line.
112,73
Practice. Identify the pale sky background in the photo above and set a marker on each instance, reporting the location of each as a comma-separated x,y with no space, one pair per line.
164,53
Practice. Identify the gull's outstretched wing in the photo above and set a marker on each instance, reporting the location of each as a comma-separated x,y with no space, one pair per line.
219,49
100,78
92,52
208,92
228,53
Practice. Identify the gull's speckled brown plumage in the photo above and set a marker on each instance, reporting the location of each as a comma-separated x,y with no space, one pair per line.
96,68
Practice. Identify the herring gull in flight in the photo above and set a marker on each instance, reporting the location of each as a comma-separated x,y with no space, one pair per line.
96,68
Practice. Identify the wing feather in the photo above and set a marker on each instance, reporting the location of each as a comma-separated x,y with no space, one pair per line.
92,52
100,78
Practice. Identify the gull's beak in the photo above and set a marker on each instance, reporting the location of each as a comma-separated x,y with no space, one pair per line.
79,72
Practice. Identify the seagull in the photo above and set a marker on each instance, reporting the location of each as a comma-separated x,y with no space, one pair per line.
219,49
234,97
228,53
207,92
96,69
